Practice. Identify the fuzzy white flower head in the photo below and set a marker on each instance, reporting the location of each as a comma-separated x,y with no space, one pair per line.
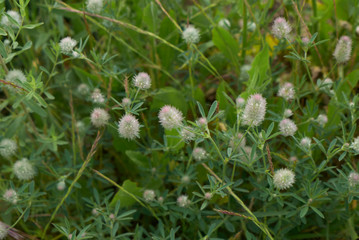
126,102
8,147
95,212
287,127
251,26
183,201
24,170
170,117
15,75
293,159
235,143
357,30
240,102
185,179
224,23
287,91
343,49
305,40
355,145
99,117
129,127
187,134
305,142
3,230
142,81
191,35
288,113
255,110
10,196
281,28
353,179
97,96
5,21
67,45
61,185
94,6
283,178
83,89
202,122
326,84
322,119
199,153
149,195
208,196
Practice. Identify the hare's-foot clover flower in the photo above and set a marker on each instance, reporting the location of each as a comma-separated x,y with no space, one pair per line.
83,89
240,102
129,127
255,110
24,170
170,117
8,147
283,178
94,6
224,23
199,153
355,145
281,28
306,142
187,134
149,195
343,49
287,127
126,102
10,196
67,45
3,230
142,81
191,35
97,96
353,179
287,91
183,201
322,119
288,113
5,21
61,185
99,117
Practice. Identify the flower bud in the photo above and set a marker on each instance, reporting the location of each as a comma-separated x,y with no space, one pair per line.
61,185
208,196
255,110
322,119
187,134
97,96
83,89
129,127
185,179
240,102
353,179
5,21
287,127
126,102
224,23
283,178
288,113
305,143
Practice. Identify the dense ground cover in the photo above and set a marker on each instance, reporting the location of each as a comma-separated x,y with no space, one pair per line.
179,119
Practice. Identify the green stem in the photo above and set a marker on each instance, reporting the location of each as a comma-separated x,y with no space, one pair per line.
244,33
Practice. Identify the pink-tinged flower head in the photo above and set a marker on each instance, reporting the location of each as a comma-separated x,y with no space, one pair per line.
142,81
97,96
322,119
353,179
199,153
170,117
283,178
126,102
287,91
305,142
287,127
343,49
187,134
202,122
208,196
288,113
281,28
129,127
183,201
10,196
255,110
99,117
240,102
305,40
149,195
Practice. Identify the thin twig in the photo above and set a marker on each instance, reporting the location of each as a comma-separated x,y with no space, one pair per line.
270,160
